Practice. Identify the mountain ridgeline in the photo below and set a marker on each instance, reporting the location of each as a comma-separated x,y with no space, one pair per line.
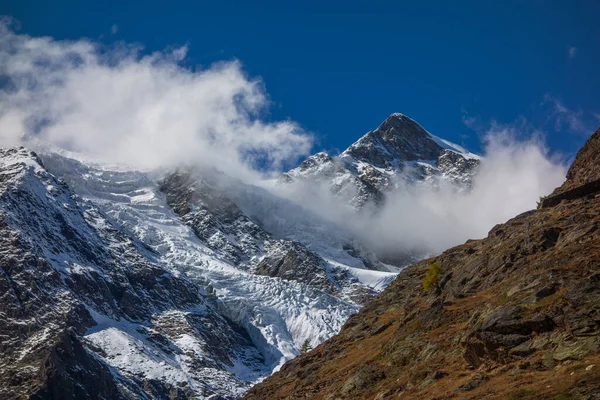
515,315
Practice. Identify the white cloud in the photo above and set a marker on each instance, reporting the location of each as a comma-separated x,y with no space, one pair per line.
114,29
572,52
514,173
118,105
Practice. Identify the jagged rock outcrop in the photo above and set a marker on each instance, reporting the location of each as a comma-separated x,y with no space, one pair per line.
514,315
586,167
583,178
290,260
221,224
215,219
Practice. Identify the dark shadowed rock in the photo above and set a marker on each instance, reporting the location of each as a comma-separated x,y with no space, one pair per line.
398,138
292,261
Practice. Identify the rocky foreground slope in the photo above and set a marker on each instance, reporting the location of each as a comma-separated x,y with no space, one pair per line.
515,315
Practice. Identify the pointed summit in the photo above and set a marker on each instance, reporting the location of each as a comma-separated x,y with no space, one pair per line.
399,149
397,139
400,124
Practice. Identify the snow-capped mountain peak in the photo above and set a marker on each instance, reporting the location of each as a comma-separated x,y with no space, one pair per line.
400,139
397,139
398,151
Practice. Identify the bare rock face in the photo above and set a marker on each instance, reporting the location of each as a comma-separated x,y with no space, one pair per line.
586,167
292,261
456,168
398,138
583,178
215,219
514,315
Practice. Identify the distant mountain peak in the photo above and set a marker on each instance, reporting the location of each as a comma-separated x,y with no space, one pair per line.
378,161
395,140
401,122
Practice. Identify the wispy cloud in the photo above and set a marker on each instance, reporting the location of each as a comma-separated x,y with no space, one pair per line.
114,29
572,52
565,118
148,110
469,121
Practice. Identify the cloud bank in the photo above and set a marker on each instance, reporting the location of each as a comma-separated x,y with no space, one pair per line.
513,175
425,220
119,105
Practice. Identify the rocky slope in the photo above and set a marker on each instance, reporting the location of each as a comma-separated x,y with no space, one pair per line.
398,151
515,315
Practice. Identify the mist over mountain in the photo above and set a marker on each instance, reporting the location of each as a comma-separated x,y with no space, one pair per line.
417,194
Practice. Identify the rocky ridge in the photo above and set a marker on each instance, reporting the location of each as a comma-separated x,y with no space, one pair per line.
515,315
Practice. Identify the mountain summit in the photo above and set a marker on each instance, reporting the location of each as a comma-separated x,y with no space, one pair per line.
398,151
397,139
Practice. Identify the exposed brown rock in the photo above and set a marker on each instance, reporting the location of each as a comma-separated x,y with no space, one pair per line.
586,167
517,315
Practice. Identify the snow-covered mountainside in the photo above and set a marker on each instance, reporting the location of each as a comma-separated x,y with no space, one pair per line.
127,284
399,151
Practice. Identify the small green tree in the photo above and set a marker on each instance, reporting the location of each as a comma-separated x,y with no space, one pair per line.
306,347
540,202
433,276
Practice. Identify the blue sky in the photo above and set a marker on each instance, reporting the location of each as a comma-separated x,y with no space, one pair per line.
339,68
